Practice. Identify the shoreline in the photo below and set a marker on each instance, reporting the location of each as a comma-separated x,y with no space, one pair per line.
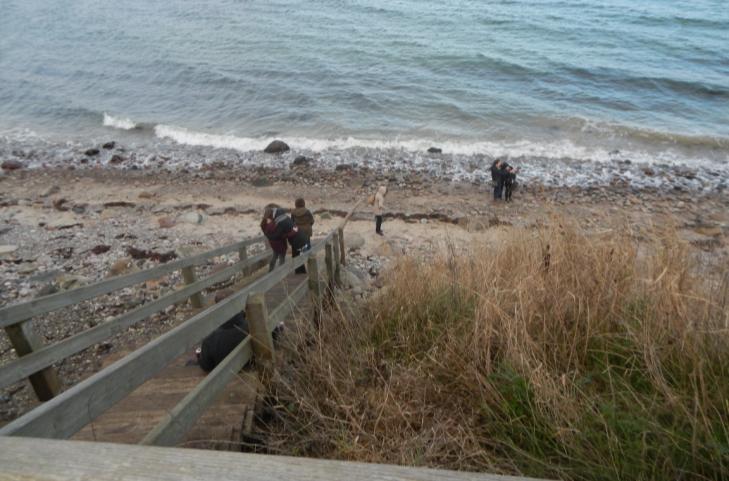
545,169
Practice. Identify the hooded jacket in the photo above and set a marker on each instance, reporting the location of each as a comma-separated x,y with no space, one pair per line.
379,206
304,219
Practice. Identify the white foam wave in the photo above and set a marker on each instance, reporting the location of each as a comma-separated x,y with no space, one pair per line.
118,122
558,149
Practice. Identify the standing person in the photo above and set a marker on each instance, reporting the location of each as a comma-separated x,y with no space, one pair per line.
497,178
275,239
304,219
509,182
379,208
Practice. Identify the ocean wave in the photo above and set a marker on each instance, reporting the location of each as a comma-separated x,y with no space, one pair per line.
118,122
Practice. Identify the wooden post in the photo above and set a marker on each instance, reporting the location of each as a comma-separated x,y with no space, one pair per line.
312,267
337,262
257,316
45,382
243,256
188,274
342,253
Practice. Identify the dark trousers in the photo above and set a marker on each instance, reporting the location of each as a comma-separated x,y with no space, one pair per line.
297,252
498,189
508,188
378,223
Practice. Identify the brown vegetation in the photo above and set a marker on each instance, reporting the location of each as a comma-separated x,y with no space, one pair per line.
559,355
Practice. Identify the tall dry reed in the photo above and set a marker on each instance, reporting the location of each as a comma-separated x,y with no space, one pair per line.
559,355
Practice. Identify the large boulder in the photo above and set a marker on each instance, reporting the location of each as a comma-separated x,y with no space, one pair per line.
435,150
109,145
277,147
92,152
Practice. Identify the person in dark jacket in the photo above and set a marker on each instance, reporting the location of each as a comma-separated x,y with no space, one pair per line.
284,229
216,346
303,218
275,238
497,178
509,182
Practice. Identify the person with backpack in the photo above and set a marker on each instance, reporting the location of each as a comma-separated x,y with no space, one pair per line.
275,237
378,203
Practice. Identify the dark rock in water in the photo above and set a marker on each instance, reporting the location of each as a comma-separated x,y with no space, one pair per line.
301,161
276,147
109,145
261,181
92,152
100,249
12,165
649,172
343,167
116,159
614,152
435,150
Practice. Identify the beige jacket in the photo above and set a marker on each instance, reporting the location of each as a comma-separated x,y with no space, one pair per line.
379,207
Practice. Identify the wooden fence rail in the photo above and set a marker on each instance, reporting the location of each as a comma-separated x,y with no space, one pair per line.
70,411
45,459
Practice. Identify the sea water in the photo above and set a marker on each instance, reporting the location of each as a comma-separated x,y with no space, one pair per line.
576,81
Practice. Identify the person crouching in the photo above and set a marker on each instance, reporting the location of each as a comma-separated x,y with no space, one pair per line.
224,339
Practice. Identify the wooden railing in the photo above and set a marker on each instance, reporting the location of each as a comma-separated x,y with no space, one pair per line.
45,459
69,411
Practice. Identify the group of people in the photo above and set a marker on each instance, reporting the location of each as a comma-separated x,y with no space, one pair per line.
284,227
503,176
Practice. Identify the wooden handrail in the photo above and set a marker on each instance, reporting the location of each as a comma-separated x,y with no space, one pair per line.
13,314
25,366
68,412
73,460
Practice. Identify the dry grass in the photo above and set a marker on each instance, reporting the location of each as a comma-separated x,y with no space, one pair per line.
559,355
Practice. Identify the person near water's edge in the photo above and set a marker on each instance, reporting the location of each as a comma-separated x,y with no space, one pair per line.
304,219
379,208
497,178
509,182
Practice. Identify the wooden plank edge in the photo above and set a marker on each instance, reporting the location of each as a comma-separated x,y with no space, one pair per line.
43,459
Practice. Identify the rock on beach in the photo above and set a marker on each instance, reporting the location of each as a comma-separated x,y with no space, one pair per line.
277,147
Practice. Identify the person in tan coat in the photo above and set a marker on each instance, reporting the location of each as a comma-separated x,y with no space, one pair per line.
379,208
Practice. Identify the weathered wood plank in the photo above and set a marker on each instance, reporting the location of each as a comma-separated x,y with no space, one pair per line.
21,368
183,416
43,459
25,341
261,339
188,275
64,415
25,310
